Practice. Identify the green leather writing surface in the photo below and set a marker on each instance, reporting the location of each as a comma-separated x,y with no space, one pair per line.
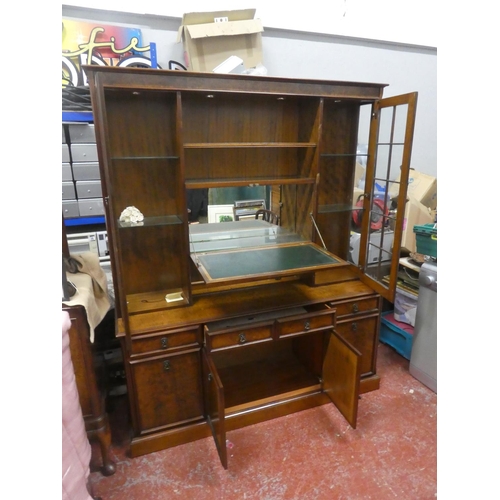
263,261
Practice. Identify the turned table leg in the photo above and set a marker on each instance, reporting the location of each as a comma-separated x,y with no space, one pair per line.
103,434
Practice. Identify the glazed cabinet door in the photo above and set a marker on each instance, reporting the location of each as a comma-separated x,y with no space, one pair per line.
341,376
214,405
167,391
386,183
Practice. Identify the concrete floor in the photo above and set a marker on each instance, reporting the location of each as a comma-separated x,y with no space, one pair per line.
313,454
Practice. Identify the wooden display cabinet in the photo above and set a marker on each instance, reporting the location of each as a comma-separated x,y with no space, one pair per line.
226,324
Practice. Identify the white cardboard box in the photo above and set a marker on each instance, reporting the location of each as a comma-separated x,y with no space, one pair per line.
210,38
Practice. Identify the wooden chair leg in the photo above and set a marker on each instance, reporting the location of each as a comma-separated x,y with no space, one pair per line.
103,434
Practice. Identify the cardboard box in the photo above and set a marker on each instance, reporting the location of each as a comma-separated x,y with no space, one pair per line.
357,192
210,38
416,214
421,187
359,174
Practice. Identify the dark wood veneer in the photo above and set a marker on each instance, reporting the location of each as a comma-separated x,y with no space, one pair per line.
243,347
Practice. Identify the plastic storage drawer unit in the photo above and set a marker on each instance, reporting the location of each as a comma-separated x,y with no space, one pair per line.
396,334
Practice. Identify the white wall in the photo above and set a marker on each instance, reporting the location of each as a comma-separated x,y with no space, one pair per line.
406,21
288,53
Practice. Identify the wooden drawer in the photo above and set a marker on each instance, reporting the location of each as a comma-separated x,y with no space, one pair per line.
355,306
305,323
166,341
237,336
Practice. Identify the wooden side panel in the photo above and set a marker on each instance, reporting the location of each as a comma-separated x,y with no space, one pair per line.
215,405
341,375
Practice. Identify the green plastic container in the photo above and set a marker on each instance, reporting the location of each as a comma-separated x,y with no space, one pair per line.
426,236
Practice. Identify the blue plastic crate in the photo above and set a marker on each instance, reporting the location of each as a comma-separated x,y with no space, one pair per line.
396,334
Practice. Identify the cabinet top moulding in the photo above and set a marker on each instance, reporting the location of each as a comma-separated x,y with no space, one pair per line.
156,79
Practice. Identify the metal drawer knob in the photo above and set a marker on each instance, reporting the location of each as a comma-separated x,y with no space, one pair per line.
354,327
355,308
242,338
307,325
164,342
166,365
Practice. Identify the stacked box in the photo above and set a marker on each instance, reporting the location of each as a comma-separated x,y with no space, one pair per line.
396,334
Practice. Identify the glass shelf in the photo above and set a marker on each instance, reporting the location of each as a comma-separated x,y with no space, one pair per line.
340,155
341,207
165,220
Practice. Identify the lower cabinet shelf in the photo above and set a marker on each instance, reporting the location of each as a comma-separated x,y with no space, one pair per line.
275,371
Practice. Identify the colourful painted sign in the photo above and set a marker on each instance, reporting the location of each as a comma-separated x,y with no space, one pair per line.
88,43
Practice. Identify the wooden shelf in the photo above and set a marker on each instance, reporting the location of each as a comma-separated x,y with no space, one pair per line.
249,181
153,301
234,145
265,380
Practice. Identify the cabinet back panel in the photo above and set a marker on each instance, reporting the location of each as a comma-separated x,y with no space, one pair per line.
151,185
247,118
340,137
244,163
153,258
336,173
341,134
141,123
335,191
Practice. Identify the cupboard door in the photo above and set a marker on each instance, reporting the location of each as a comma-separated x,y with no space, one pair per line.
167,390
361,333
388,167
214,405
341,376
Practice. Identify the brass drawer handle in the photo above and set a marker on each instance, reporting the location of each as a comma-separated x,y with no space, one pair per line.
355,308
354,327
166,365
242,338
307,325
164,342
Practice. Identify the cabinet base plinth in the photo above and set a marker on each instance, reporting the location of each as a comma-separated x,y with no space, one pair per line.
158,441
162,440
369,384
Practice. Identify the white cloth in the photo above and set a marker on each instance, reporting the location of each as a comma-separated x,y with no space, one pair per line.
92,289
